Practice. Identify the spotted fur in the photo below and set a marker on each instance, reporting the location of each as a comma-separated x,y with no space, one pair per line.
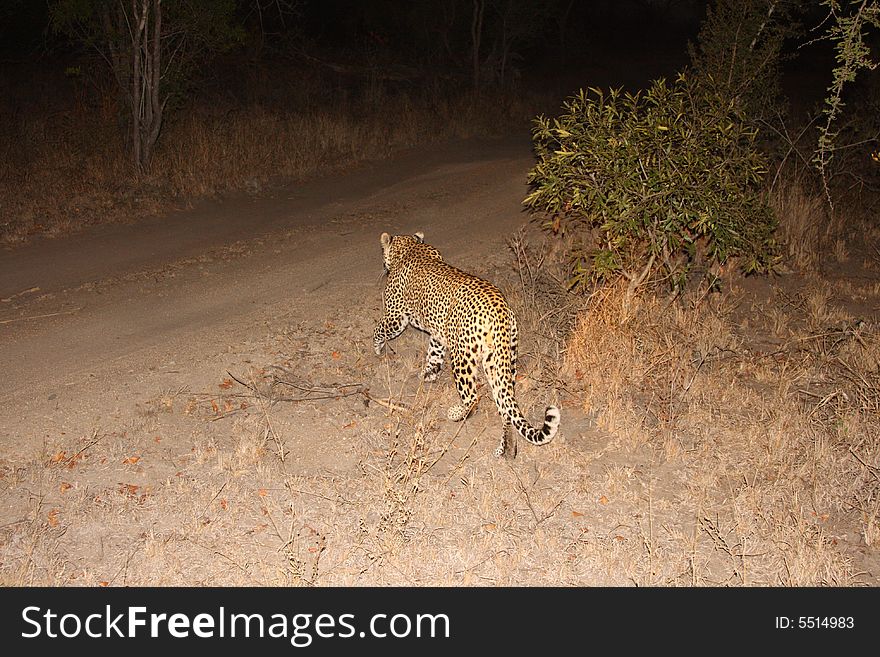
468,320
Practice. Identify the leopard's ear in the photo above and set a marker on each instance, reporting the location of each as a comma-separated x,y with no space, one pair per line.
420,236
385,240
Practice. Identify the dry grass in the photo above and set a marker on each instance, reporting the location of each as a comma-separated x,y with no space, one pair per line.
62,170
804,227
642,362
54,178
205,155
786,444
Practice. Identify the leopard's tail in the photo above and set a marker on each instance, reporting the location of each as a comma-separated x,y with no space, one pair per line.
509,410
535,436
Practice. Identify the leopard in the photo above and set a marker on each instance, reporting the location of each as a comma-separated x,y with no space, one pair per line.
468,322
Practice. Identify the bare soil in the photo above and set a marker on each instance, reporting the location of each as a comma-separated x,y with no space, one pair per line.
194,400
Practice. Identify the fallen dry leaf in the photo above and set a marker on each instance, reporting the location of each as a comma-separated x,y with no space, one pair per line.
131,460
215,407
227,383
262,492
335,355
603,500
349,425
53,518
58,457
224,504
65,486
576,514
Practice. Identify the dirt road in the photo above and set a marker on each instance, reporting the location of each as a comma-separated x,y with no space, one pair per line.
95,323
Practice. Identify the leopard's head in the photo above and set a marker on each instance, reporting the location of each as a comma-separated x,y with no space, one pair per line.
395,247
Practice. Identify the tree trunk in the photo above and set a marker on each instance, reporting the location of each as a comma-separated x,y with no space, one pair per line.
154,110
476,37
139,12
146,103
505,46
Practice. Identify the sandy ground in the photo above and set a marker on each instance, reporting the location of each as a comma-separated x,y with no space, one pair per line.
194,400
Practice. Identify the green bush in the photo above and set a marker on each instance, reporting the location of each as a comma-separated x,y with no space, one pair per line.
662,180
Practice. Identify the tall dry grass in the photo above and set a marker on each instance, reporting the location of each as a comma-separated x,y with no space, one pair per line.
62,170
208,154
59,171
805,230
642,360
786,444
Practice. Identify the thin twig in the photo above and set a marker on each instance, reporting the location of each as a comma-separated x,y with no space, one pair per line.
237,380
394,406
337,500
870,468
21,319
327,389
95,440
211,501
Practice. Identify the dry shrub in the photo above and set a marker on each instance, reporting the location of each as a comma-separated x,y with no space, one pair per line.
406,461
803,227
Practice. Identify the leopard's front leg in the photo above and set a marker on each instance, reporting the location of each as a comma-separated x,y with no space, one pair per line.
388,328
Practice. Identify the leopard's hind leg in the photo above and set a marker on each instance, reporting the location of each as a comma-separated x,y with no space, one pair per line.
464,367
495,364
434,360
